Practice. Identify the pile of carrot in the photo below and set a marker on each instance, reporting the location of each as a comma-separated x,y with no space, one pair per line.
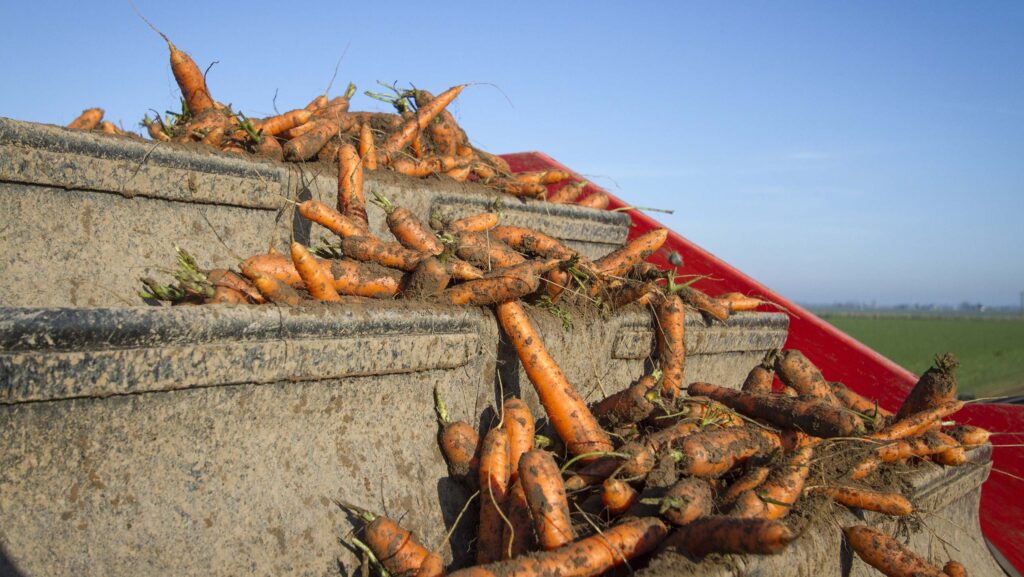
420,139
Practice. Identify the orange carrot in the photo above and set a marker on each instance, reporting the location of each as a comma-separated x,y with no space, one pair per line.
759,379
716,534
519,538
275,266
620,261
276,291
670,324
858,498
638,460
545,492
587,557
811,416
297,131
954,569
917,423
351,201
750,481
277,124
330,219
494,484
969,436
629,405
460,444
566,410
567,193
597,200
797,371
855,402
367,148
424,115
775,498
923,446
502,285
702,302
887,554
532,242
226,278
87,120
617,496
310,142
476,223
397,548
428,281
712,453
372,249
408,228
337,108
351,277
108,127
486,252
317,103
190,80
521,430
936,386
550,176
685,501
953,457
269,147
521,189
739,302
318,283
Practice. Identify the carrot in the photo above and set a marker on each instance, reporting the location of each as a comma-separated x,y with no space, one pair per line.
750,480
670,320
617,496
597,200
952,457
417,168
364,279
633,460
886,554
486,252
298,131
108,127
475,223
396,547
629,405
936,386
277,124
269,147
226,296
620,261
566,410
428,280
759,379
545,492
712,453
812,416
550,176
460,444
587,557
372,249
482,171
494,484
797,371
954,569
717,534
220,277
275,266
190,80
556,281
432,566
775,498
87,120
276,291
317,103
337,108
410,231
501,285
155,128
521,430
923,446
671,436
687,500
532,242
318,283
460,269
519,538
444,131
855,402
567,193
307,145
858,498
739,302
702,302
917,423
521,189
330,219
424,115
497,162
367,148
416,146
969,436
351,201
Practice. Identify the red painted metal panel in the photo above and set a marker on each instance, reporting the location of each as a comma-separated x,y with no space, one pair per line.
842,358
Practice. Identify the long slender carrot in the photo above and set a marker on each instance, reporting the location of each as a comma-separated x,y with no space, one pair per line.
424,115
545,492
670,320
887,554
330,219
923,446
618,262
319,284
502,285
87,120
351,201
367,147
494,484
587,557
917,423
868,500
717,534
277,124
739,302
372,249
521,430
565,408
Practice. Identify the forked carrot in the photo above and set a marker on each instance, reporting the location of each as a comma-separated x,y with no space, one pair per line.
566,410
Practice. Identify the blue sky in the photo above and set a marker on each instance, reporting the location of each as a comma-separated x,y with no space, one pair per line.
834,151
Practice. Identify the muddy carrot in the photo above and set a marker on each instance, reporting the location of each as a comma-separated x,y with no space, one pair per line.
887,554
567,193
629,405
953,457
410,231
531,241
716,534
190,80
923,446
597,200
417,168
372,249
797,371
617,496
519,538
337,108
364,279
475,223
670,324
936,386
486,252
759,379
683,502
545,492
428,281
620,261
502,285
367,148
330,219
312,140
351,201
750,481
494,484
424,115
276,291
521,430
954,569
277,124
318,283
969,436
297,131
396,547
87,120
317,103
565,408
712,453
631,460
856,402
702,302
868,500
226,278
521,189
460,444
775,498
811,416
917,423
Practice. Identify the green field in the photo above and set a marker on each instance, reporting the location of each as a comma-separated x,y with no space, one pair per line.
991,351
